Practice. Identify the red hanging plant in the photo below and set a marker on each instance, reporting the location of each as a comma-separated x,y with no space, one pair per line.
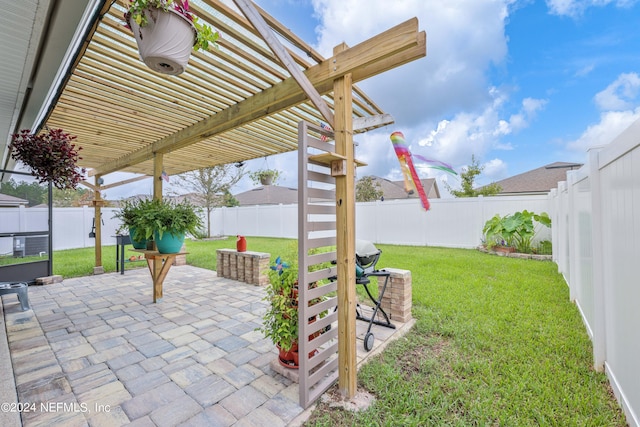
51,156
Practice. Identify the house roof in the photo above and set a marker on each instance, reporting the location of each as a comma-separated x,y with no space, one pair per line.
275,194
234,102
11,201
268,195
537,181
395,189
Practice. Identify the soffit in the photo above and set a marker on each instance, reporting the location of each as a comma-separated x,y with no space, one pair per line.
20,29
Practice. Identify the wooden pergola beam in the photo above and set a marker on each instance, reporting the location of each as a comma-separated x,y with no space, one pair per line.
269,37
112,185
388,50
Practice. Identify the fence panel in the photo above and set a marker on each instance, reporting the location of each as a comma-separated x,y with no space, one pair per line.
596,215
455,223
621,250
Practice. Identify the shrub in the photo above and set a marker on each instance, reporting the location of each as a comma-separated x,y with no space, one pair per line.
517,230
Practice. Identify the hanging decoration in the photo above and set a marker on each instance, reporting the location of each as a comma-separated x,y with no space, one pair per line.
412,181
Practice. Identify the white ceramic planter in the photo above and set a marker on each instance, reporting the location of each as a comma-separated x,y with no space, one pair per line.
165,43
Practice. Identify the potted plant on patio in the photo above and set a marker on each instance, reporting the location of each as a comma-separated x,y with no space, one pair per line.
130,214
167,222
265,176
166,31
50,155
280,322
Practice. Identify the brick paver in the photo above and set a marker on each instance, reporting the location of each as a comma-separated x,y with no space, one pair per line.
99,342
99,352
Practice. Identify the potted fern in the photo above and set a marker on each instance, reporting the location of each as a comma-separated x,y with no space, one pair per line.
166,31
167,222
130,215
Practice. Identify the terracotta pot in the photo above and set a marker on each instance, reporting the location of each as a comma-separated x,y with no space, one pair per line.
289,359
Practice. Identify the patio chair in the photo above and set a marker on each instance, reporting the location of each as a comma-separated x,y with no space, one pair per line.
19,288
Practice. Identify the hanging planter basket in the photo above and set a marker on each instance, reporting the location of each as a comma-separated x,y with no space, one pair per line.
165,42
50,155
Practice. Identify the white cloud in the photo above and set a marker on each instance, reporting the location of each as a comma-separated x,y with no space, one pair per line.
611,124
444,103
455,140
575,8
464,38
620,95
494,170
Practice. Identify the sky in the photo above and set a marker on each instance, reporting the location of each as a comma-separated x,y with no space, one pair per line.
516,83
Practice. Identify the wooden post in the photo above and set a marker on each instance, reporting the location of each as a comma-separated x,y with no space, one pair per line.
157,175
345,225
97,221
157,195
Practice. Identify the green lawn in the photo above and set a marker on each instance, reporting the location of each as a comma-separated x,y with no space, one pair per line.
201,253
497,342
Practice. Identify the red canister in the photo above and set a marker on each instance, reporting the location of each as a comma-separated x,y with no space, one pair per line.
241,244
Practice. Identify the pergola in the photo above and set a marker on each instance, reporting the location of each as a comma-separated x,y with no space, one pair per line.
238,101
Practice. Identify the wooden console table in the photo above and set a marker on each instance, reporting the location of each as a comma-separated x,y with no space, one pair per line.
159,265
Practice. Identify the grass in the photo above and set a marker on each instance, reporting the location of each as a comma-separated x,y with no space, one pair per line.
201,253
497,342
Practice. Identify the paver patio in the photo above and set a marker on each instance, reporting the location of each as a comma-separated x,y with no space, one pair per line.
97,351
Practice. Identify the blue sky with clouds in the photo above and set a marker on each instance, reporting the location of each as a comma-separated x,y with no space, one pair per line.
516,83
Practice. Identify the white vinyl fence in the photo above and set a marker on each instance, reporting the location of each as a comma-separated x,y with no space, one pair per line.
454,223
596,237
595,233
71,226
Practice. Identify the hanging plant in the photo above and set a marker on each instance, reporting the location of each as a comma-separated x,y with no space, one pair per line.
51,157
265,176
166,31
204,33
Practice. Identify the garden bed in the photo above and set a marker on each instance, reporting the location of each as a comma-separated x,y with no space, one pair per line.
537,257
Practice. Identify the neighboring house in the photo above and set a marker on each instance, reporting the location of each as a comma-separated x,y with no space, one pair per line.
395,189
268,195
194,199
536,181
7,201
275,194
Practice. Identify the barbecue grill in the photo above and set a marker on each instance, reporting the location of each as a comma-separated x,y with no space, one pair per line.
367,256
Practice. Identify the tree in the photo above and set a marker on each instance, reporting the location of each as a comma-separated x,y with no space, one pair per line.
34,192
467,179
368,190
211,184
229,200
72,198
